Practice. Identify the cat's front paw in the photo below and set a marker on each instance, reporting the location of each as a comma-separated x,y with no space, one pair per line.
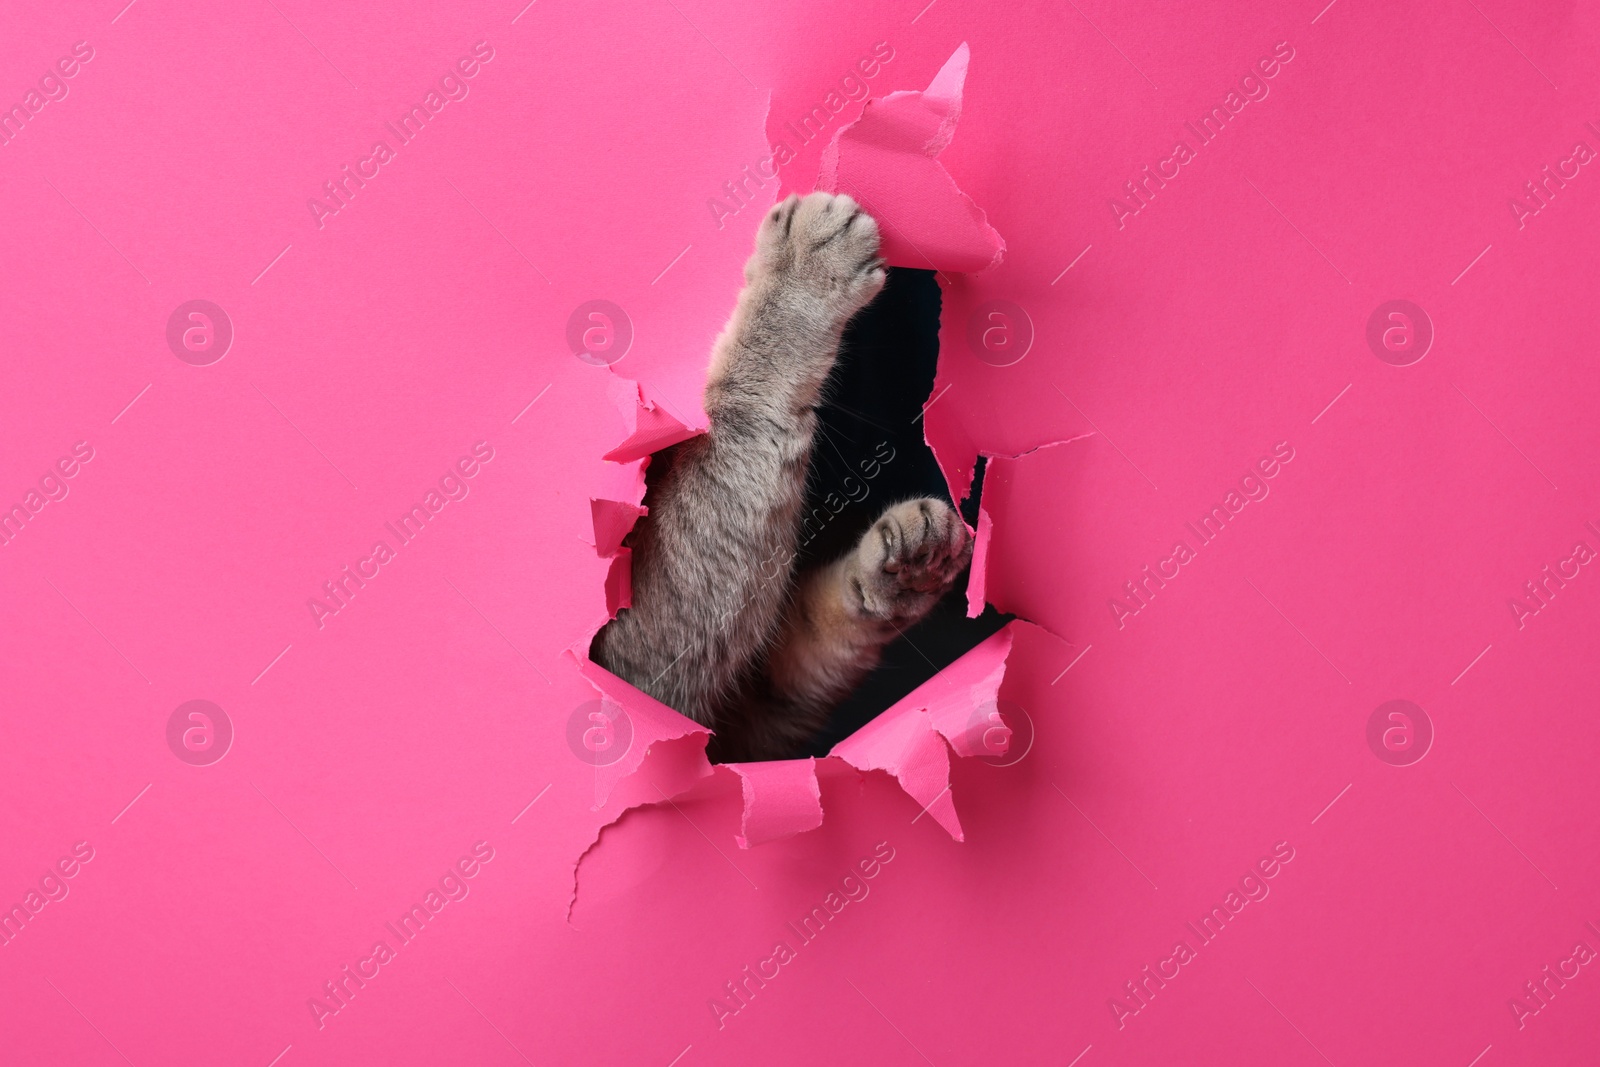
907,560
823,246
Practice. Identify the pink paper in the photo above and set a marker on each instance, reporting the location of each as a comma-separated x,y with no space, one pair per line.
1338,347
780,798
887,160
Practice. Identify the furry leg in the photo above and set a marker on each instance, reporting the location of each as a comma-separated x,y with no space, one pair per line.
713,560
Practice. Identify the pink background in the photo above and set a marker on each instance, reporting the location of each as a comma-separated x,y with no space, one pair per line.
1172,752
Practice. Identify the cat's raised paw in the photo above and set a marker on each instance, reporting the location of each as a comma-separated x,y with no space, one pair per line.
824,246
908,559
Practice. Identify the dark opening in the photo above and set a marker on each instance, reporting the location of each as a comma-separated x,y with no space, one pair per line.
873,403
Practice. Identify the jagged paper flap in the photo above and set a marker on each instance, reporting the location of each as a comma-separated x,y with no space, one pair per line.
886,160
781,798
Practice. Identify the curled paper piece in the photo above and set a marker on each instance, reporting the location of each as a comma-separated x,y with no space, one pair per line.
949,712
978,579
781,798
959,698
651,427
648,723
613,520
955,453
909,749
619,582
887,160
648,427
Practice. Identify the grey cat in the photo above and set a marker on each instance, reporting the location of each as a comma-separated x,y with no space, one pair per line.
721,627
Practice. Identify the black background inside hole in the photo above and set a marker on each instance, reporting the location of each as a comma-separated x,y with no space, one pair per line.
873,398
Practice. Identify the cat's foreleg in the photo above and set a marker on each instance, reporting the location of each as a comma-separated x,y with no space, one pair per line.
713,561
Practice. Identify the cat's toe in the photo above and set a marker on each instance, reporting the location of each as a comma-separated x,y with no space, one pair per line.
774,229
